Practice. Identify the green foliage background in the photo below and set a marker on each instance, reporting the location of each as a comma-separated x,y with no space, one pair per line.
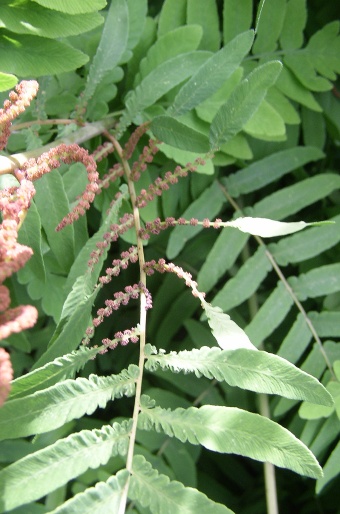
279,158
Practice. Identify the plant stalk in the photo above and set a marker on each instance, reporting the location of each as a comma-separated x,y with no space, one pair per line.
142,323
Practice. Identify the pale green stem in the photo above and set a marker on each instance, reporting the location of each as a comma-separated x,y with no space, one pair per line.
142,322
264,409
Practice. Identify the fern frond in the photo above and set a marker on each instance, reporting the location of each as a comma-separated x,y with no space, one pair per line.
51,408
162,496
103,498
56,371
231,430
55,465
249,369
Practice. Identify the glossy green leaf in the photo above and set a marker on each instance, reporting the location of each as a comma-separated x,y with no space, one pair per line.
246,368
74,7
7,81
207,205
156,491
111,46
21,19
179,135
226,332
243,103
237,17
231,430
57,464
51,408
210,77
28,56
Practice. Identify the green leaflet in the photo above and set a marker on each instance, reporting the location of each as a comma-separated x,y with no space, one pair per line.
270,168
101,499
163,496
205,14
159,81
242,103
250,369
207,205
73,321
182,157
226,332
231,430
319,59
271,314
137,19
305,245
46,410
179,135
175,42
245,282
315,365
75,7
52,204
7,81
57,464
293,26
330,469
237,17
172,15
317,282
30,235
222,256
289,85
269,26
210,77
22,19
111,47
22,55
301,194
266,123
52,373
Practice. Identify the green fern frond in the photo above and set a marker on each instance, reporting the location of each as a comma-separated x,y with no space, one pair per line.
51,408
249,369
162,496
55,465
231,430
